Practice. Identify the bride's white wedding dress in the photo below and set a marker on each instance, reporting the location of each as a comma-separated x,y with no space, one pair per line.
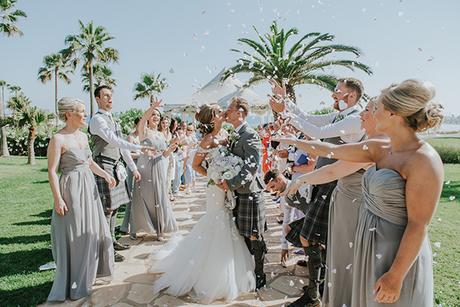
212,262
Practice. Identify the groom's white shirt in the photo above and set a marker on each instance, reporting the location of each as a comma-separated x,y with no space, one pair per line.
98,126
322,126
237,129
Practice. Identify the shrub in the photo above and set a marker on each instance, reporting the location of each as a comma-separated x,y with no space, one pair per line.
17,141
448,154
127,119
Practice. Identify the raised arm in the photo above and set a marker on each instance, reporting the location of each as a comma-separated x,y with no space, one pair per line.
363,152
325,174
54,156
424,179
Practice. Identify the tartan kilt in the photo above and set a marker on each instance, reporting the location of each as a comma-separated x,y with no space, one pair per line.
293,236
111,199
315,226
249,213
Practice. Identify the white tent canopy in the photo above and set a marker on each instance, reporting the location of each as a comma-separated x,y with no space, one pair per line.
220,92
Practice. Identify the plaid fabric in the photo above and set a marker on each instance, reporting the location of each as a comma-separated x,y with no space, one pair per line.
297,201
111,199
249,214
293,236
315,225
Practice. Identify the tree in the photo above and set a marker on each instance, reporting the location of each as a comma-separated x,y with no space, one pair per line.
89,48
148,86
102,75
58,66
9,17
14,89
304,63
27,116
3,142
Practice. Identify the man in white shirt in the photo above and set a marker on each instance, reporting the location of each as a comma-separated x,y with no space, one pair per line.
110,152
343,126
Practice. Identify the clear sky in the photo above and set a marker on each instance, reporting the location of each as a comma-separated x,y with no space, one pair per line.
189,41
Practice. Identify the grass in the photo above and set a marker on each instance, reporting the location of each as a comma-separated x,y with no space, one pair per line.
445,142
25,210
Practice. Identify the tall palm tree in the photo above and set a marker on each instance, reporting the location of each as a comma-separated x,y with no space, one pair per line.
14,89
8,18
58,66
148,86
27,116
305,62
3,142
89,48
102,75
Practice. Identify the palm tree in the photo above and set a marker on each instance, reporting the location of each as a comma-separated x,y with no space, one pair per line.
3,142
102,75
148,86
8,18
89,47
304,63
27,116
58,66
14,89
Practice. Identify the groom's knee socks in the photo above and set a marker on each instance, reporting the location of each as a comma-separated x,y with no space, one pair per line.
313,251
258,249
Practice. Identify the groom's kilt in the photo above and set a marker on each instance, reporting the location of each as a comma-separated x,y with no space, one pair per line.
315,224
249,214
111,199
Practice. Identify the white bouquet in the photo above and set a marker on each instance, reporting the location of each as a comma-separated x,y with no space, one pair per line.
224,166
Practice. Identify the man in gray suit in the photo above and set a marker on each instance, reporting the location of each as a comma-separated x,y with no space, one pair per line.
247,187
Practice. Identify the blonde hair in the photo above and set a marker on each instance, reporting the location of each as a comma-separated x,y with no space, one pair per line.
241,104
412,99
68,104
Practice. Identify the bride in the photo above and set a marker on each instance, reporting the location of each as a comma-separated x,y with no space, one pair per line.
212,262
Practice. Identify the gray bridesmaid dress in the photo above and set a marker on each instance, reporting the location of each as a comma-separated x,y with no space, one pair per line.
151,210
343,220
81,242
381,225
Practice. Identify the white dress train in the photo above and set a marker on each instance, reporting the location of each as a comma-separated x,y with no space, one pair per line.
212,262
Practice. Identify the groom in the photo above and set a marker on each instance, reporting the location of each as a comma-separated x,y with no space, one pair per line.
249,211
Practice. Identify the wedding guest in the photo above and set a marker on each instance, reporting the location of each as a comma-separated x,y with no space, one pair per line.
126,226
178,158
151,209
339,127
111,152
81,242
164,128
343,215
190,150
392,255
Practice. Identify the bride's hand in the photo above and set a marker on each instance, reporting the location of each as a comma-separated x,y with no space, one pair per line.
155,102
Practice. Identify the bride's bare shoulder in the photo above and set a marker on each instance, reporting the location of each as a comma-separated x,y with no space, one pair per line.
208,141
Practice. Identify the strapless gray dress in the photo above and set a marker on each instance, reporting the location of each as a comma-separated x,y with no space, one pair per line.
151,209
343,220
381,225
81,242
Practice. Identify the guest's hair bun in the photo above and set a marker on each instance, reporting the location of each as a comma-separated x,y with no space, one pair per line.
68,104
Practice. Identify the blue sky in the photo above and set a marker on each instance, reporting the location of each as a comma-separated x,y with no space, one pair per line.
189,41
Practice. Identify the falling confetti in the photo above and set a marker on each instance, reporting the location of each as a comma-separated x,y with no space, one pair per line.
365,147
372,229
291,283
350,244
329,284
378,256
74,285
437,244
334,271
447,182
452,198
348,266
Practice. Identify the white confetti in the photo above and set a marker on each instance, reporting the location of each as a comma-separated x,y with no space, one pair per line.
437,244
74,285
291,283
447,182
348,266
378,256
451,198
324,196
350,244
372,229
334,271
365,147
329,284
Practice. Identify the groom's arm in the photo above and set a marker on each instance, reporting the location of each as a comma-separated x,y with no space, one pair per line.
251,160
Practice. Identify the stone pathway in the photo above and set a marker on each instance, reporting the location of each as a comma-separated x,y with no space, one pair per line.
132,284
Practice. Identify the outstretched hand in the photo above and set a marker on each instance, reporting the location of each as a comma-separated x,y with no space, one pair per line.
287,139
292,188
155,102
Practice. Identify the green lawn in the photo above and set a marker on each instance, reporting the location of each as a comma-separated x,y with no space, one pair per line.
25,212
445,142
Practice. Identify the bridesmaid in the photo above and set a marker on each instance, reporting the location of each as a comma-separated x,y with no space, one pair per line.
343,215
81,242
151,209
392,255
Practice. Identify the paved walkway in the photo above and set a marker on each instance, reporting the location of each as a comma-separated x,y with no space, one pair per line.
132,284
